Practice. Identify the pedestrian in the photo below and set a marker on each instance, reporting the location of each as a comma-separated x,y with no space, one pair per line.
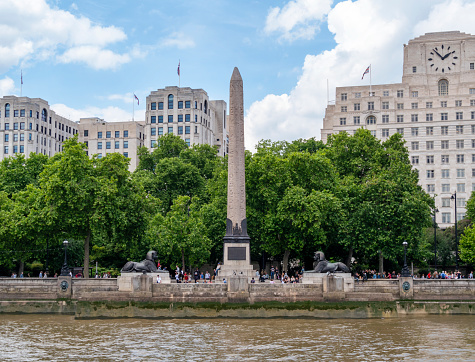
41,274
159,279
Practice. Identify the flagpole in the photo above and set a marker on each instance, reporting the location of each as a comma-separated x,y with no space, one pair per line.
370,71
179,74
21,83
133,107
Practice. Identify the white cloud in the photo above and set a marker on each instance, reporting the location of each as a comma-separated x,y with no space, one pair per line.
178,40
297,19
7,85
33,30
126,98
366,32
108,114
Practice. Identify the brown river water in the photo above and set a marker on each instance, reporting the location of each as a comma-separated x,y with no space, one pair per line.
62,338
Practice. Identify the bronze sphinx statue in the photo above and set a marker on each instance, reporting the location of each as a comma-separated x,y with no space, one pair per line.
321,265
145,266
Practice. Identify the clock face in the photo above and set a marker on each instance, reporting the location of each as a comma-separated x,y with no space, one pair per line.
442,58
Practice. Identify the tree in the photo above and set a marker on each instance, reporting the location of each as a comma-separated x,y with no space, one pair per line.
168,146
16,172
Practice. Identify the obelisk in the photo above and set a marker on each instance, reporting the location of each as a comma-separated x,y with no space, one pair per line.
237,254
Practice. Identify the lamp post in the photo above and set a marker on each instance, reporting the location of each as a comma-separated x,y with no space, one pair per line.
405,270
454,197
65,269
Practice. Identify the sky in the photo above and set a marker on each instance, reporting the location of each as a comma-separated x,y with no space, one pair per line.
87,58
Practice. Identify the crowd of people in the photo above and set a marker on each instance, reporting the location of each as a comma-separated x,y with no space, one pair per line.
372,274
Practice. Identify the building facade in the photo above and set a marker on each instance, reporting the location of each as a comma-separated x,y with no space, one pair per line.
187,113
29,125
433,108
103,137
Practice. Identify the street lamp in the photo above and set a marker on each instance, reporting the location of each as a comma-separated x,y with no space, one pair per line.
65,269
405,270
454,197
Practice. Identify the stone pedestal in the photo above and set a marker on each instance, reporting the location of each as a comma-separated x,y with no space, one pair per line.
134,282
331,283
65,287
406,288
238,289
237,261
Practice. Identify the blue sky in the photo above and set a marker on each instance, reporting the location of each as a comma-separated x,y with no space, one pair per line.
86,58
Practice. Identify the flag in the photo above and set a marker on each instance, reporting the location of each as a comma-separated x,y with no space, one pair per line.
138,103
366,72
22,77
178,70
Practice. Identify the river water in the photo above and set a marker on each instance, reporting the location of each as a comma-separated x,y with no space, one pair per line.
62,338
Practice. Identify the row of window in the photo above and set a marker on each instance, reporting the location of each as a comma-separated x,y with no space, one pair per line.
446,188
444,144
154,130
16,148
400,118
429,131
108,134
447,219
99,155
159,105
445,159
116,145
153,143
445,174
21,126
414,105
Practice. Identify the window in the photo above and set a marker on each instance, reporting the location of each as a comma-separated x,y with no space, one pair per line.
414,70
356,107
400,106
108,134
342,121
99,156
458,103
415,94
444,130
443,87
472,102
444,145
385,118
459,129
117,144
15,126
5,150
371,120
170,129
429,117
153,131
446,202
414,118
99,134
99,145
187,104
385,105
430,188
15,113
428,104
446,217
400,131
445,173
358,95
22,136
344,108
414,105
160,119
170,101
153,106
459,115
160,131
22,149
126,134
15,137
370,106
460,173
460,158
430,159
187,118
460,187
473,157
180,104
196,105
445,159
471,90
126,154
443,104
385,132
429,131
414,131
415,146
460,215
153,143
430,173
7,113
415,160
196,118
459,144
22,113
472,115
7,137
117,134
187,129
126,144
344,97
108,145
160,105
180,118
371,94
153,119
400,93
473,143
400,118
445,187
443,116
22,126
429,145
180,130
187,141
170,118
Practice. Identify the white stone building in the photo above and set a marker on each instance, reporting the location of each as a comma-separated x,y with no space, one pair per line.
29,125
433,108
187,113
103,137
